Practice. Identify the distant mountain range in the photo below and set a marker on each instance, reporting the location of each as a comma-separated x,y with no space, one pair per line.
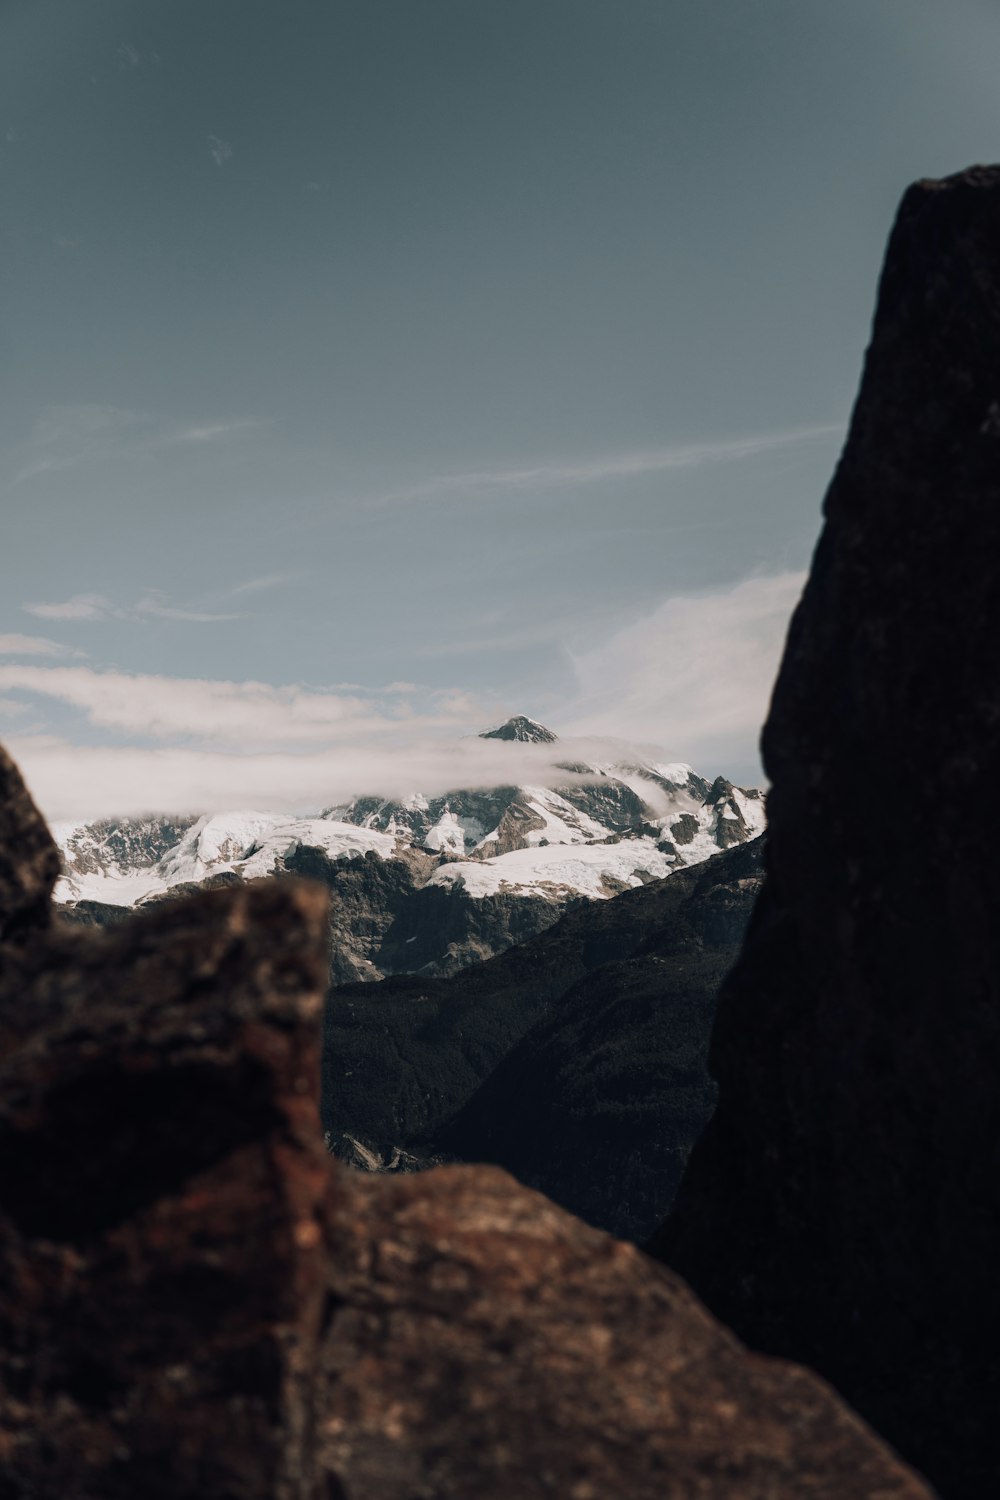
429,884
611,826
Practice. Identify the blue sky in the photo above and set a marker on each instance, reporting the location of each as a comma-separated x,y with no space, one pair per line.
390,366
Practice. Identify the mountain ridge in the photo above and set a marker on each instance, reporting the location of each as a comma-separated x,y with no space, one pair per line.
485,867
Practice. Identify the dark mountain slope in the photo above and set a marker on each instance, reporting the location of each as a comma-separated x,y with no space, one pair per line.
601,1101
403,1056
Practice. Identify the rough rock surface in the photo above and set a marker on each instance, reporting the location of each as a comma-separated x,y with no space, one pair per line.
486,1344
162,1264
195,1300
29,859
844,1206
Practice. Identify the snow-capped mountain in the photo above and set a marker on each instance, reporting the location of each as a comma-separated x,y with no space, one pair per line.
610,826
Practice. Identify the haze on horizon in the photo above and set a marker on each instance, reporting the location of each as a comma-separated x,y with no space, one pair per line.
373,370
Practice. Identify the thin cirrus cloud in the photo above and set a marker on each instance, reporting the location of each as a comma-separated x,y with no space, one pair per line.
66,437
97,607
32,645
208,432
220,151
610,466
79,607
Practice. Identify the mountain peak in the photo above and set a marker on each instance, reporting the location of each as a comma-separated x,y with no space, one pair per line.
520,727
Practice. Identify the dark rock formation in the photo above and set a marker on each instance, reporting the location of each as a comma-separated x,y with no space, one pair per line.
195,1301
521,728
29,859
162,1263
404,1056
601,1101
485,1344
844,1205
94,914
384,920
117,844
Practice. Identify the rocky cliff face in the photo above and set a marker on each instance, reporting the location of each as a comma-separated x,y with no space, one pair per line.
194,1299
844,1206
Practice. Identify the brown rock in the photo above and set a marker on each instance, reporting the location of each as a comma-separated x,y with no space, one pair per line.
161,1179
196,1301
29,859
844,1206
488,1344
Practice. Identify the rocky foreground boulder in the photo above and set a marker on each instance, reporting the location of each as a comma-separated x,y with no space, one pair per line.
844,1206
196,1300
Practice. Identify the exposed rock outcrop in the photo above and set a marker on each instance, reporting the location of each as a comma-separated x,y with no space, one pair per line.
194,1300
844,1206
162,1183
486,1344
29,859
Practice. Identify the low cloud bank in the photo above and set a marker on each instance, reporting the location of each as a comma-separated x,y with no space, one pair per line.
693,675
71,782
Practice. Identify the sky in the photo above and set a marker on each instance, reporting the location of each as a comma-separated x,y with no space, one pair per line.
373,369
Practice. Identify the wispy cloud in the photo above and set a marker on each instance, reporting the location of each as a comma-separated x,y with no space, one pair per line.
209,432
244,715
93,607
65,437
627,465
220,151
32,645
696,673
79,607
155,604
259,585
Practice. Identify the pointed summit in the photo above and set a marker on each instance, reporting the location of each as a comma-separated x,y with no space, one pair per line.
520,727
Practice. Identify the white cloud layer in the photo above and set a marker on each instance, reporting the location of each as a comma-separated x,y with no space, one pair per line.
71,782
240,715
694,676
